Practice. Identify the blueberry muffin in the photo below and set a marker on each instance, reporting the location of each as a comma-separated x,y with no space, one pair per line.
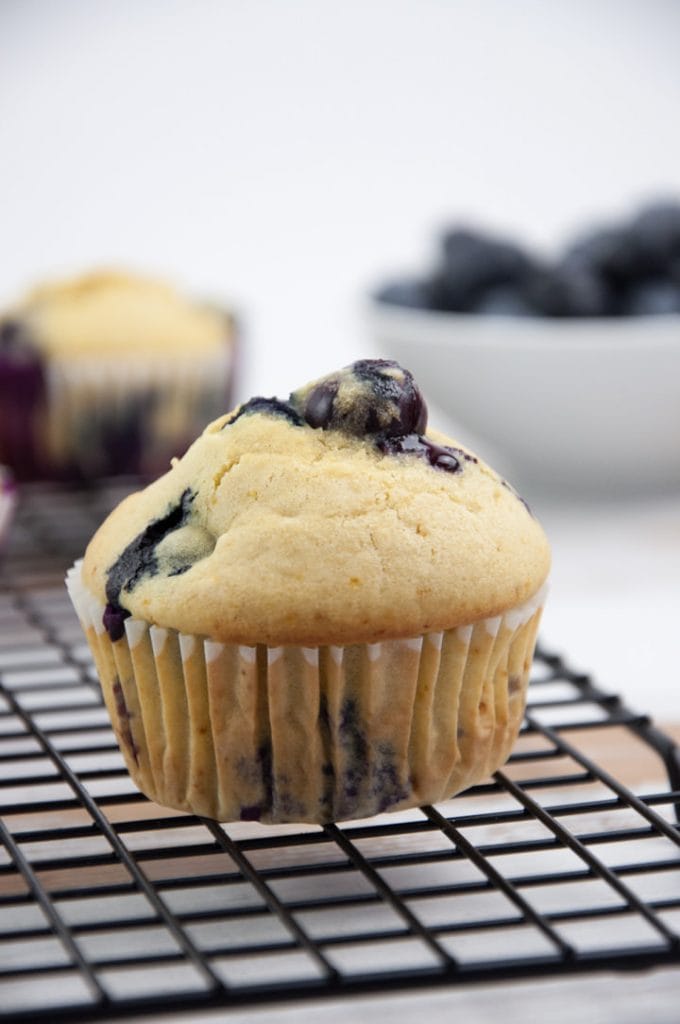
322,611
108,373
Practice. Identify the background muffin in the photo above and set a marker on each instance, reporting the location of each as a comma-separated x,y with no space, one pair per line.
109,373
321,612
7,502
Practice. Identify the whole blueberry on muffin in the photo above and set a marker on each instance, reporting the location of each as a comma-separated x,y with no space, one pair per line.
109,373
323,611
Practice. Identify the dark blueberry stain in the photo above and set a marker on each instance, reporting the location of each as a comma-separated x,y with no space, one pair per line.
327,768
256,771
139,560
369,781
124,717
269,406
355,749
287,806
180,569
371,773
264,757
439,456
324,714
386,786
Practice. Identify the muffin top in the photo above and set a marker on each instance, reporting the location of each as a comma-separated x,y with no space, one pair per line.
330,518
108,313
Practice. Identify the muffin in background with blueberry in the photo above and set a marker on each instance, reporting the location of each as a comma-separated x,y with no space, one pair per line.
109,373
323,611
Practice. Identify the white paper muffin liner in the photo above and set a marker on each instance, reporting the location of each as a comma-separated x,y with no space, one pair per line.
166,401
311,734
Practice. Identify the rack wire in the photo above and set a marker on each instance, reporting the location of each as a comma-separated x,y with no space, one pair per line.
112,906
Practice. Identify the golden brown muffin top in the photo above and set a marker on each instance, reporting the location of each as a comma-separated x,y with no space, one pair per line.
330,518
109,313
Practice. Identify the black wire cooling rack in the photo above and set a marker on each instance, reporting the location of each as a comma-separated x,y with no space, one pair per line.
111,906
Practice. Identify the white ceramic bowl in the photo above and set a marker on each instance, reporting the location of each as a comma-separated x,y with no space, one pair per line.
573,406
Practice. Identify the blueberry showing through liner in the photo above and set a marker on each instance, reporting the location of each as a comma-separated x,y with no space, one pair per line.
124,717
251,813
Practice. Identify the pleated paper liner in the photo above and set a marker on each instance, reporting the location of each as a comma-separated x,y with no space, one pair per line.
311,734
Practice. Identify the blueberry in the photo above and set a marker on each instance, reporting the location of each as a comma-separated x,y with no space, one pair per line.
113,621
471,264
319,404
411,294
370,397
653,297
398,406
569,290
613,254
657,231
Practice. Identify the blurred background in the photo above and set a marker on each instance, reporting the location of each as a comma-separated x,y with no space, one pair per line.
285,157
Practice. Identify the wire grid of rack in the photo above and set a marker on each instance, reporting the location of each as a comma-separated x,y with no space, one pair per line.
111,906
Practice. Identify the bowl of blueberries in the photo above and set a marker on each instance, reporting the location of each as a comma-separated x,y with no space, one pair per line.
569,368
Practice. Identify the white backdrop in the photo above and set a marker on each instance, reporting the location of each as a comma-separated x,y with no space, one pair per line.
284,155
